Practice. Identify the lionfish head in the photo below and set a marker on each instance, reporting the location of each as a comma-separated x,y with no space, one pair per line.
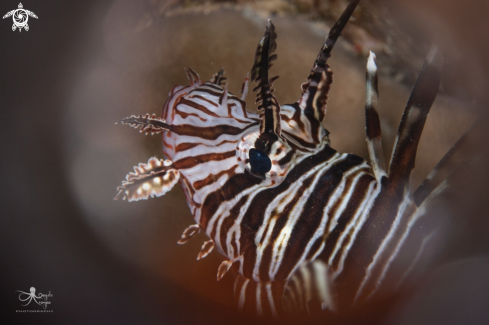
209,136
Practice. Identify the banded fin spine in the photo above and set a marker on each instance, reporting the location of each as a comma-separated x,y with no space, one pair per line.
389,222
414,117
315,90
372,120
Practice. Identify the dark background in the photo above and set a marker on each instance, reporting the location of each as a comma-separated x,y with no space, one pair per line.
46,241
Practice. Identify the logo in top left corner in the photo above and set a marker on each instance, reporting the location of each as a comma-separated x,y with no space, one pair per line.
20,16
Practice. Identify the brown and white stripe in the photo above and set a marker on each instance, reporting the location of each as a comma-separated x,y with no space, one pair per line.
298,221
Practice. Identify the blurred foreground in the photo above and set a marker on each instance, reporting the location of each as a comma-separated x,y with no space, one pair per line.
85,65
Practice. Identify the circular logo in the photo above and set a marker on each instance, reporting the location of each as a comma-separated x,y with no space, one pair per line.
20,17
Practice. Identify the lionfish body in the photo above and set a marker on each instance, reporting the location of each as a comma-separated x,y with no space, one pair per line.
298,221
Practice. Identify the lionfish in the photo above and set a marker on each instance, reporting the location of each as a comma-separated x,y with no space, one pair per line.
302,225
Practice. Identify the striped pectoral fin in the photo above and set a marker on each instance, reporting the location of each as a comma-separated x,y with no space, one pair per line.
148,180
259,298
188,233
372,120
147,123
206,249
414,117
309,289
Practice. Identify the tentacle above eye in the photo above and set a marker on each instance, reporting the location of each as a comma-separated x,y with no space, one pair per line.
147,124
267,103
148,180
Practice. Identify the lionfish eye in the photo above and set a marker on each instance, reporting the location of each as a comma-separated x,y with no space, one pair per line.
259,161
271,165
